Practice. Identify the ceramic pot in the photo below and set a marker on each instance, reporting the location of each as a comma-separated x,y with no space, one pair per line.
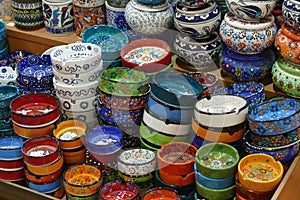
247,37
198,21
115,16
75,156
286,76
291,13
287,43
87,116
149,20
8,76
177,180
208,80
247,67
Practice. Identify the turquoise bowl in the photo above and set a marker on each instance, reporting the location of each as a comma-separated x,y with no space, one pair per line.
7,94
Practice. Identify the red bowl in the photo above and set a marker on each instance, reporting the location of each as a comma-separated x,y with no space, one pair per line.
34,109
149,67
11,165
42,179
12,175
40,151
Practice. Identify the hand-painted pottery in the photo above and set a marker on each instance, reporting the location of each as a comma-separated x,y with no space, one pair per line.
146,145
176,158
291,13
160,193
119,190
12,175
118,3
87,116
198,21
177,180
247,37
217,194
287,43
30,90
27,132
198,52
260,172
247,67
149,19
8,76
78,105
177,89
251,10
76,57
217,160
6,10
148,55
82,180
45,187
7,94
34,110
42,179
10,148
11,165
137,162
286,76
109,38
115,16
274,117
58,17
13,58
221,111
123,81
122,102
88,3
35,71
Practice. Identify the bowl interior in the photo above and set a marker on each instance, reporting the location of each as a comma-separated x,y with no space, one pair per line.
247,90
113,190
10,143
104,136
137,156
124,75
40,146
82,175
70,130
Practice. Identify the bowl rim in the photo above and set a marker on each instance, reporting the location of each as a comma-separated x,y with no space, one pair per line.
16,138
137,164
73,125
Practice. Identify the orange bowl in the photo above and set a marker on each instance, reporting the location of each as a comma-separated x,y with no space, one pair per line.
26,132
182,180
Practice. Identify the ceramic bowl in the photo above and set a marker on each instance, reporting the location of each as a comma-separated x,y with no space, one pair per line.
35,71
11,165
221,111
74,156
123,81
117,189
78,105
148,55
182,180
27,90
253,37
290,13
10,148
40,151
161,193
146,145
251,10
137,162
176,88
285,77
89,116
7,94
217,160
45,187
76,57
217,194
34,110
109,38
12,175
8,133
198,21
42,179
286,41
247,67
176,158
139,180
208,80
13,58
8,76
260,172
274,117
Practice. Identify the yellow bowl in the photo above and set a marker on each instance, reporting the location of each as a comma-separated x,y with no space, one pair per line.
260,172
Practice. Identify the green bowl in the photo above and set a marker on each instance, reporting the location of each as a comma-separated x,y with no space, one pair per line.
146,146
213,194
217,160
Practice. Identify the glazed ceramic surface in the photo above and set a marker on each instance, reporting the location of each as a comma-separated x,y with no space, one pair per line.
274,117
116,17
88,116
161,193
43,179
12,176
11,165
246,67
198,21
79,105
12,59
208,81
251,10
6,10
7,94
247,37
184,180
148,20
117,189
217,194
118,3
88,3
291,13
10,148
45,187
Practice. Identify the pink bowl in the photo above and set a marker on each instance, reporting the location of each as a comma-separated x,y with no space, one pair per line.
11,165
34,109
12,175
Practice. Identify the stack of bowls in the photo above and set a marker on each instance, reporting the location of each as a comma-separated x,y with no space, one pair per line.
11,162
176,167
3,43
274,127
138,166
215,169
7,94
258,177
169,110
43,161
124,94
70,134
34,114
34,75
76,68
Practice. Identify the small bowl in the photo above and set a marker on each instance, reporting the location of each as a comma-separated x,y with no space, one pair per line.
274,117
34,109
7,94
217,160
217,194
109,38
132,57
42,179
260,172
69,133
123,81
11,165
161,193
82,180
45,187
176,158
40,151
10,148
137,162
183,180
117,189
12,175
